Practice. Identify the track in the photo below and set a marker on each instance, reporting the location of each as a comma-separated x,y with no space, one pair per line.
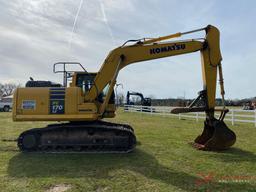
79,137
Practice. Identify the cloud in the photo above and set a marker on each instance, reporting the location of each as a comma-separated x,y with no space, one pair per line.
35,34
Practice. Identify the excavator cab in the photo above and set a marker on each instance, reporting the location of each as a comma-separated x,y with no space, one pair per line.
82,79
85,81
147,101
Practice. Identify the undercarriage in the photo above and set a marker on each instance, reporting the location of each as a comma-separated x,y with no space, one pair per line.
91,137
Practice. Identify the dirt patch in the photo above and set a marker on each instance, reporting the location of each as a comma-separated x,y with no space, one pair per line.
102,189
59,188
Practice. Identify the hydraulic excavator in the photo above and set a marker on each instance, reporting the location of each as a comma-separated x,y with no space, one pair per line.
81,106
144,101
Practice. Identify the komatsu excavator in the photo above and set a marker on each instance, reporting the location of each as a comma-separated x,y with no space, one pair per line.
90,98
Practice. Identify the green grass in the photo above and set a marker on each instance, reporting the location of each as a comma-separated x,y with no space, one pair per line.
162,161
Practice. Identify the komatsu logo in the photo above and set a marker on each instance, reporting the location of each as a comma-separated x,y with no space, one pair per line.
167,48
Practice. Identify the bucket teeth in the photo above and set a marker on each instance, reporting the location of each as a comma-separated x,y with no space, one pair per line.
216,136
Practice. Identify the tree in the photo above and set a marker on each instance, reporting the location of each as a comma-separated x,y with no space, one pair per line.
1,93
151,96
119,99
8,88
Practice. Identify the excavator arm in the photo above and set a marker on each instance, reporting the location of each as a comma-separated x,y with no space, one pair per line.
154,49
216,134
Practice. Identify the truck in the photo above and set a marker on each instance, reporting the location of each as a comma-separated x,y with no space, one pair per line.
6,104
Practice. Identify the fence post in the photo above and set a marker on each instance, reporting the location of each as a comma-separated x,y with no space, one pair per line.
179,116
141,108
151,110
232,116
197,116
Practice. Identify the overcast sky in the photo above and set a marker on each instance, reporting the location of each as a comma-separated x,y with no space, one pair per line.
36,34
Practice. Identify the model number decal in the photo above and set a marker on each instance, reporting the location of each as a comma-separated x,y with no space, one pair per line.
57,106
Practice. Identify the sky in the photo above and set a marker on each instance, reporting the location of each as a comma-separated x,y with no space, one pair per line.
36,34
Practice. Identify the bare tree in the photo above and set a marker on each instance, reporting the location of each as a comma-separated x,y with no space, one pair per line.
120,99
1,92
151,96
8,88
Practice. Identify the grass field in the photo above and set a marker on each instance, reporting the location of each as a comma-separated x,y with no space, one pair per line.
162,161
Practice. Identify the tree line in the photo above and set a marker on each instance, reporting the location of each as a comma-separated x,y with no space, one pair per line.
7,89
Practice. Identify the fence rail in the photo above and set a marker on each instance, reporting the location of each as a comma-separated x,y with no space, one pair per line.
234,115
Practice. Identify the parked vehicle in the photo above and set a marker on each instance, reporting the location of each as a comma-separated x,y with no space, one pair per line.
249,106
6,104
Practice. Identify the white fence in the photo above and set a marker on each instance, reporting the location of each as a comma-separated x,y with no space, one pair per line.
234,115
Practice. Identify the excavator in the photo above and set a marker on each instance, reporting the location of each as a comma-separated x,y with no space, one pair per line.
80,107
144,101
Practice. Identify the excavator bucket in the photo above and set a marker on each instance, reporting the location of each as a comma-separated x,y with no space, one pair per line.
216,136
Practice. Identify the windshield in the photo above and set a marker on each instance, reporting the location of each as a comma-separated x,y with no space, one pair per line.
85,81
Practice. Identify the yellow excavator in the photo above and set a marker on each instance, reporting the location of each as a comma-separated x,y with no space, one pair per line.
81,106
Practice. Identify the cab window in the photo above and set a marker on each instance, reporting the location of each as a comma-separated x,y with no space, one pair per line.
85,81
